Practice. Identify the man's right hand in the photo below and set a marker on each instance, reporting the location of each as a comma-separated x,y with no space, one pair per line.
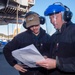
20,68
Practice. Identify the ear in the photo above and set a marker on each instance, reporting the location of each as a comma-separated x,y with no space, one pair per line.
42,20
67,14
24,25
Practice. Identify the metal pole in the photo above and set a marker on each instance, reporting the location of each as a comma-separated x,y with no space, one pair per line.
46,26
8,31
17,19
18,7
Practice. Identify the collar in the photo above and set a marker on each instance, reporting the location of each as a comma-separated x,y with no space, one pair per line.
64,26
41,33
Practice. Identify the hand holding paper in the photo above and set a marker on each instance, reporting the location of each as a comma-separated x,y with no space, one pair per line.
28,55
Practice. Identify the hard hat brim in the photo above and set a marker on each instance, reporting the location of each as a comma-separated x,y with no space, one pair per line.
53,9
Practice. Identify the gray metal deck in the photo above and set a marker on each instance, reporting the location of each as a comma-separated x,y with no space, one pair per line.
5,68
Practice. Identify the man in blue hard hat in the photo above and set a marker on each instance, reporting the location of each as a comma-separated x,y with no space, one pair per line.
62,48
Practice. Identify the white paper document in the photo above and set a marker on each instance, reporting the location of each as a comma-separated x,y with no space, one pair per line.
28,55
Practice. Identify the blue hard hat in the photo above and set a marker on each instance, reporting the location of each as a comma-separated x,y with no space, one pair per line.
53,9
